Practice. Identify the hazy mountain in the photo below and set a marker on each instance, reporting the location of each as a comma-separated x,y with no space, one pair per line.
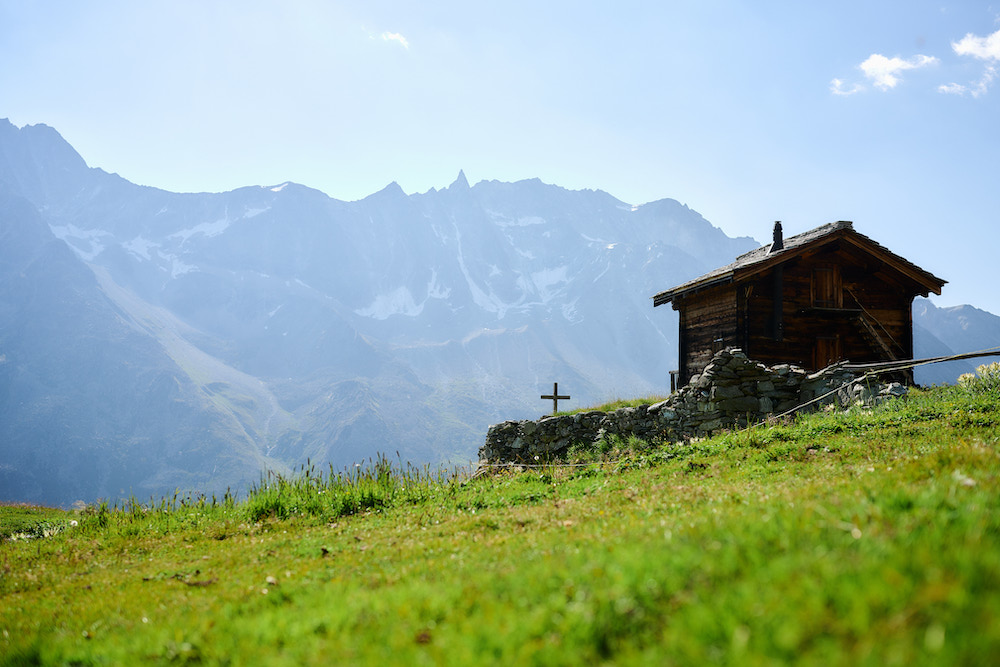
294,325
189,340
966,329
90,405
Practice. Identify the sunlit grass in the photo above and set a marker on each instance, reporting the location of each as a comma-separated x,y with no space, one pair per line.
617,404
871,537
22,521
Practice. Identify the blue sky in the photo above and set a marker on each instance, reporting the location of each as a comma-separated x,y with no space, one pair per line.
884,113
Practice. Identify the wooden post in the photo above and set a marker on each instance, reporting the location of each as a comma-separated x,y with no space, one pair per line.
555,397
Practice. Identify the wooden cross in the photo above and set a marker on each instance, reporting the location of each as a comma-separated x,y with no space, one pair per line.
555,397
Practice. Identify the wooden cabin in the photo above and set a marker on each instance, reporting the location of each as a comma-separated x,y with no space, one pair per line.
827,295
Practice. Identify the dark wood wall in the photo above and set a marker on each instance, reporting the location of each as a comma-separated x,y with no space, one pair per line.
708,323
835,303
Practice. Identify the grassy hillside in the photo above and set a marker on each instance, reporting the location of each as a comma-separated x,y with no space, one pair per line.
871,537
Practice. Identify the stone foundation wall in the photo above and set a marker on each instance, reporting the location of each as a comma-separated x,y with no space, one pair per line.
731,392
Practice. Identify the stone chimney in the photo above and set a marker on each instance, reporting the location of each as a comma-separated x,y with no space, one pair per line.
779,242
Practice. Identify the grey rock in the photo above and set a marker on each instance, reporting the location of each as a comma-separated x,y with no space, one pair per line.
719,393
741,404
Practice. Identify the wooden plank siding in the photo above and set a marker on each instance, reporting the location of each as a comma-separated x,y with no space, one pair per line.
824,295
708,324
833,299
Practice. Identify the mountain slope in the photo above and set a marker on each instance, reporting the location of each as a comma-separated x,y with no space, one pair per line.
965,328
297,326
91,405
292,326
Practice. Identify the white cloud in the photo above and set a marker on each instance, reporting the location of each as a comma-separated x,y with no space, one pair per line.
976,89
837,88
883,71
952,89
981,48
396,37
984,48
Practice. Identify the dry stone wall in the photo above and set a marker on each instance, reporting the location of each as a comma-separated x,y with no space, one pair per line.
731,392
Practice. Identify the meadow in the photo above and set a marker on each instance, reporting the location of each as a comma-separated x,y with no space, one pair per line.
870,536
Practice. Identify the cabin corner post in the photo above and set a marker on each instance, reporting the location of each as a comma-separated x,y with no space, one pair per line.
682,345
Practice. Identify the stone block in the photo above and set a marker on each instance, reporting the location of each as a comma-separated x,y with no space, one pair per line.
710,425
894,390
719,393
724,373
742,404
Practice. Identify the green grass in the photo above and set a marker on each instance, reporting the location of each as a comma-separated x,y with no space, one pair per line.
20,521
871,537
616,404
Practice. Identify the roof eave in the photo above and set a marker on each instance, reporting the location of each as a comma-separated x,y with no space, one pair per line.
925,279
687,290
842,231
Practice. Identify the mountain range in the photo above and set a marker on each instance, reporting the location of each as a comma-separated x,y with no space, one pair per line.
153,341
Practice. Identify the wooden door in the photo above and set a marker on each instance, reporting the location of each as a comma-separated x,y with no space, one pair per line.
826,351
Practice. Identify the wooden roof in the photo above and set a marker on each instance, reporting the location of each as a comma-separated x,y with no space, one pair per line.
762,258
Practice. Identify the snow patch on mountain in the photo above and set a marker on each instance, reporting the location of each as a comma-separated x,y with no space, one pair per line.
400,301
209,229
436,290
569,312
490,302
177,266
601,274
545,280
253,212
140,247
441,235
217,227
87,243
397,302
525,221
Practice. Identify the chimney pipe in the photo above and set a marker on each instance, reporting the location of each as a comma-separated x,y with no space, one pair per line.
779,242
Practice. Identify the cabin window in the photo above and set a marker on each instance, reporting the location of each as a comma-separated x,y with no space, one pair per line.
826,290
